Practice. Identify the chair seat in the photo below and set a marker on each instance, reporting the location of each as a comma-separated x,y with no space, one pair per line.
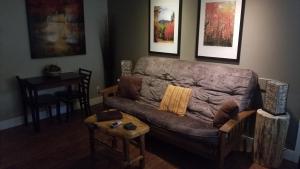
66,95
46,99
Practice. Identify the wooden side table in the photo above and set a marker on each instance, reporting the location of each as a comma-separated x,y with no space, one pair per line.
127,136
269,138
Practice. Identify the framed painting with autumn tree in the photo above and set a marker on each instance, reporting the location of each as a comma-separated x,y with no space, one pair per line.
219,29
164,31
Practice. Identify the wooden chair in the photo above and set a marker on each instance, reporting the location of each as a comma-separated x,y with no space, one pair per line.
44,100
81,94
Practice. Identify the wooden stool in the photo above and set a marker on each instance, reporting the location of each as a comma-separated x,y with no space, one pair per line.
127,136
269,138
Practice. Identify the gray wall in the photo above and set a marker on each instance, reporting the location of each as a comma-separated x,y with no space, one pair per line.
269,46
15,56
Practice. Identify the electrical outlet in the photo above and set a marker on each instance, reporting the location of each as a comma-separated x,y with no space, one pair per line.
98,90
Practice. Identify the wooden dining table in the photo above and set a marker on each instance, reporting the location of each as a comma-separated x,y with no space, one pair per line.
36,84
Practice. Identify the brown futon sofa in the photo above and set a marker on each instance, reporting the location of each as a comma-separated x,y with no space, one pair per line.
211,85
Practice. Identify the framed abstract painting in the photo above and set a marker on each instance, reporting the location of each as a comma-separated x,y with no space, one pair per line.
164,22
56,28
219,29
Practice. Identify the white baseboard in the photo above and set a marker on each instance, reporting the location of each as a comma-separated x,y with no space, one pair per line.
19,120
96,100
293,155
13,122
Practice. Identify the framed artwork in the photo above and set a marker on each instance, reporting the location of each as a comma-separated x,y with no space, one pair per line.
56,28
164,22
219,29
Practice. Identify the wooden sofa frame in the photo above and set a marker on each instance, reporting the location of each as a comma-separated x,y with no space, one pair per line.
230,134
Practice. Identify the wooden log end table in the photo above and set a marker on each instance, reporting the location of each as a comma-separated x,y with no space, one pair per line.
269,138
127,136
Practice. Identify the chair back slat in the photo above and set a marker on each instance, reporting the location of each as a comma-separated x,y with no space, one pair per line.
84,85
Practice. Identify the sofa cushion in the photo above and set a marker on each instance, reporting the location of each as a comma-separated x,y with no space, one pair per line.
175,100
228,110
187,126
130,86
211,84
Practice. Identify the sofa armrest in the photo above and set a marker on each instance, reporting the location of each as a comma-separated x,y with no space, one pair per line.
230,134
109,91
230,124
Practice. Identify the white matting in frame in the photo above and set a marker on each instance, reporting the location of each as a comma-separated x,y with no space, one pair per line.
219,25
165,18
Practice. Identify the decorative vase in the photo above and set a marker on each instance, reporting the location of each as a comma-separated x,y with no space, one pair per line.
126,67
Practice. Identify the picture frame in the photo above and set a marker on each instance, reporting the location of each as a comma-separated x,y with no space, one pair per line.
56,28
219,31
165,26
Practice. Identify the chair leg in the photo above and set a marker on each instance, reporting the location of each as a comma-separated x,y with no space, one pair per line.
87,100
33,117
86,106
50,113
25,114
86,110
37,119
89,107
81,103
71,107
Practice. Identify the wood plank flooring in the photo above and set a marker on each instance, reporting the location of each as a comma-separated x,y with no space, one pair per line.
65,146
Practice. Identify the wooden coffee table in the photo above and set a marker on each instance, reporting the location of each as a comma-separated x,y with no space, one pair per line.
127,136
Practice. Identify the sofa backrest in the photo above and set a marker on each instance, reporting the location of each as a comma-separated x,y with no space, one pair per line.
211,84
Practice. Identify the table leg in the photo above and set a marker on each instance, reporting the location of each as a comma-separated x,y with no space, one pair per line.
58,111
114,143
126,153
142,150
25,113
92,141
71,107
31,100
69,104
36,111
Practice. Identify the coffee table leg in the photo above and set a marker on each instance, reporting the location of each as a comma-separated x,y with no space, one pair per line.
142,151
114,143
126,153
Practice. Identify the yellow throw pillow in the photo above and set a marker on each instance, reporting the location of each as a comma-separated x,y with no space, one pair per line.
175,100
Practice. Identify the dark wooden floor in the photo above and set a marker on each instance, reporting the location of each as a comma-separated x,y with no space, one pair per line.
65,146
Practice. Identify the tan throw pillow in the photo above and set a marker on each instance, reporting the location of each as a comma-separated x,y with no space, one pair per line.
175,100
130,86
228,110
